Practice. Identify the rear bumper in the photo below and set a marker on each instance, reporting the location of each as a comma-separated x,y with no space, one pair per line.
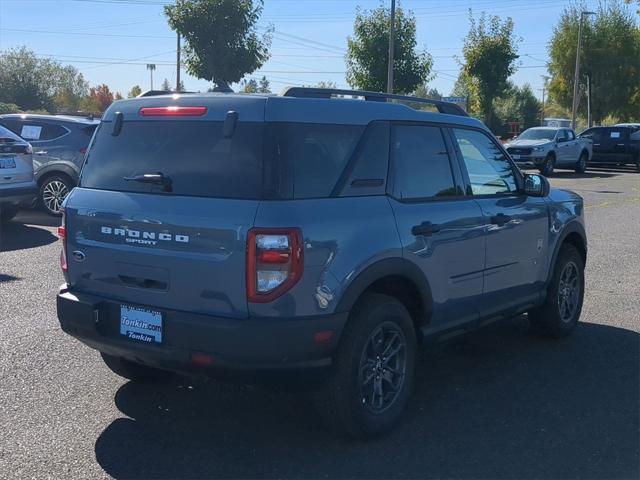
252,344
19,195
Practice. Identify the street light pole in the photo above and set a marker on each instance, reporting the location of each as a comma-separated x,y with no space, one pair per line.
151,67
545,79
392,34
178,65
574,109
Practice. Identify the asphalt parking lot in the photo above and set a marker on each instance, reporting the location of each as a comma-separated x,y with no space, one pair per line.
499,403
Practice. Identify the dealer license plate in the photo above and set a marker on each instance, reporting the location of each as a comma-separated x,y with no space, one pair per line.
7,162
142,324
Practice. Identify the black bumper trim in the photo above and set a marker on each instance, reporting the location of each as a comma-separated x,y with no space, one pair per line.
251,344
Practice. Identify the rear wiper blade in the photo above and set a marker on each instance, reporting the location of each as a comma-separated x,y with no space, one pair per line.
155,178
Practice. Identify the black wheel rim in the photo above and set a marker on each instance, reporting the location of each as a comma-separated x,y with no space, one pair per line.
569,292
383,366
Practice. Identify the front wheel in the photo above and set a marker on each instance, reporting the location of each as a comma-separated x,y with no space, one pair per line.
53,191
581,166
560,313
373,369
134,371
548,165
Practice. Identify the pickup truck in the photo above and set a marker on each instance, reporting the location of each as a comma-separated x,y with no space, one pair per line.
619,144
548,148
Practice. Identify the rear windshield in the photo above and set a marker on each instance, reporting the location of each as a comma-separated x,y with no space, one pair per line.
195,156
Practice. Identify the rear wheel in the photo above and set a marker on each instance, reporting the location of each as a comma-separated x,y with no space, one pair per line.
548,165
560,313
53,191
638,163
581,166
134,371
374,365
7,214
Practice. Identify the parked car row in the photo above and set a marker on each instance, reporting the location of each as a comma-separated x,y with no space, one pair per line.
548,148
59,144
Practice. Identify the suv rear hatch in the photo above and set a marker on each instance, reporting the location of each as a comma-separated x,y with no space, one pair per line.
16,164
165,201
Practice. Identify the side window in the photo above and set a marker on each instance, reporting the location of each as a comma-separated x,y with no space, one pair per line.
489,170
562,136
52,131
421,163
570,135
12,125
616,134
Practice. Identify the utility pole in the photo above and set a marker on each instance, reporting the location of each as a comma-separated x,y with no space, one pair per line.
178,65
392,34
576,78
151,67
589,119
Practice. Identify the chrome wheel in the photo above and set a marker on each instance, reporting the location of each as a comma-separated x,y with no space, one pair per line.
569,292
383,366
53,194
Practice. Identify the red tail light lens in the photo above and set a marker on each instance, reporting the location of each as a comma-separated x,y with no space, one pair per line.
62,234
173,111
274,262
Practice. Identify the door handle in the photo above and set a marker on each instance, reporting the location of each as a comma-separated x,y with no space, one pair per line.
425,228
500,219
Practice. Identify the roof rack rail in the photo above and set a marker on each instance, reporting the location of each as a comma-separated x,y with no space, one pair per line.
306,92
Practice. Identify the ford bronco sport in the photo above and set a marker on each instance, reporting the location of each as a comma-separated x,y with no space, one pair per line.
221,232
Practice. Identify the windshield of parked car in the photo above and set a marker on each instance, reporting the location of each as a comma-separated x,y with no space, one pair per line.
537,134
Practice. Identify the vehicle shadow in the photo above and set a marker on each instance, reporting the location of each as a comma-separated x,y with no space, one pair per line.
499,403
37,217
16,236
587,174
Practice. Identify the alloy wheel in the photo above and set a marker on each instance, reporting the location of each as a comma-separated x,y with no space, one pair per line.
53,194
569,292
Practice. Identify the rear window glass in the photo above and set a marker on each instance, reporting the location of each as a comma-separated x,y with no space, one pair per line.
195,156
316,154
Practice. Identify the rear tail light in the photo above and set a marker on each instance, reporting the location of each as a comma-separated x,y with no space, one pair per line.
274,262
62,234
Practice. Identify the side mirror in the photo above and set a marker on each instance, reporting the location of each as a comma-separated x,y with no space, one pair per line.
536,185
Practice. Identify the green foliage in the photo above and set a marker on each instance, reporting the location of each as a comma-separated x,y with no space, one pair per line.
100,97
166,86
222,42
326,84
517,104
425,91
181,86
264,85
490,53
134,92
39,84
9,108
368,52
610,55
250,86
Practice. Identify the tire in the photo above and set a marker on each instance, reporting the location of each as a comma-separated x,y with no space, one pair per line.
7,214
134,371
53,190
638,163
350,404
560,313
581,166
549,165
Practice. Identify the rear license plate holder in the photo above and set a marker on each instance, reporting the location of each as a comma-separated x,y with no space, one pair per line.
141,324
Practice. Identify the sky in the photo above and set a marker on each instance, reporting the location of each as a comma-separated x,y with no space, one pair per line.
111,41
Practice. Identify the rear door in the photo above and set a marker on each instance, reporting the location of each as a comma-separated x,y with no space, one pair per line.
516,226
441,229
597,135
177,244
620,145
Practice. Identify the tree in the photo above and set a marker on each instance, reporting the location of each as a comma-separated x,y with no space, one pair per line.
368,52
250,86
325,84
461,87
39,84
264,86
134,92
100,97
181,86
118,96
166,86
490,53
517,104
425,91
610,57
222,44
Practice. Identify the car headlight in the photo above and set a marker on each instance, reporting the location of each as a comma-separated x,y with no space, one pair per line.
537,149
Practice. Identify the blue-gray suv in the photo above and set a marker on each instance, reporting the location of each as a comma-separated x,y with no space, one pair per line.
316,231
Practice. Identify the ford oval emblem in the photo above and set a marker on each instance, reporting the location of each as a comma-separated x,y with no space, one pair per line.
78,256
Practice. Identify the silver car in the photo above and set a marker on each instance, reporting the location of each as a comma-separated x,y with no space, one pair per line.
59,144
17,185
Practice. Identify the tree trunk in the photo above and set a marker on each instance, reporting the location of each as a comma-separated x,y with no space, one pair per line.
222,86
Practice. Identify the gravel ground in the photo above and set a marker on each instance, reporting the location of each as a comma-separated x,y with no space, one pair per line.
498,403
